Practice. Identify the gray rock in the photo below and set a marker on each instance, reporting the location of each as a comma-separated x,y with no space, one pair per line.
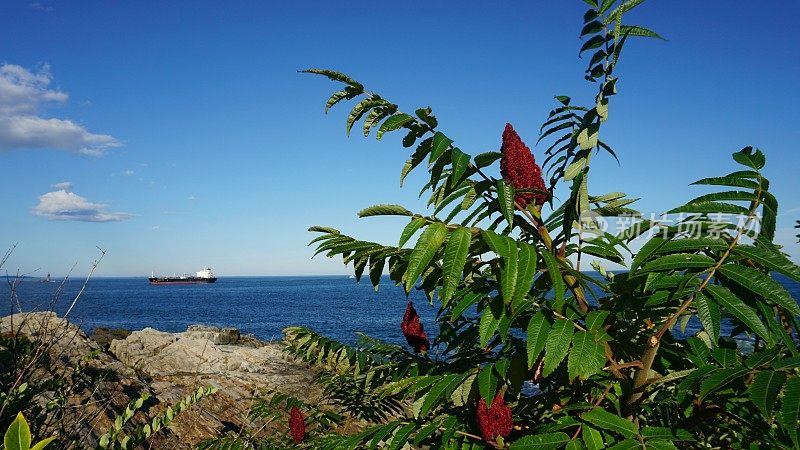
169,366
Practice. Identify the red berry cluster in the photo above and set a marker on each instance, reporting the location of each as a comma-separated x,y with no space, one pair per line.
494,421
519,168
412,330
297,425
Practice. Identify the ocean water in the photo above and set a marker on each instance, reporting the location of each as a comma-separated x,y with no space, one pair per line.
335,306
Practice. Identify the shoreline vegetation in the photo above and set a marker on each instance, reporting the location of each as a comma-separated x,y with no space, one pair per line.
609,365
102,375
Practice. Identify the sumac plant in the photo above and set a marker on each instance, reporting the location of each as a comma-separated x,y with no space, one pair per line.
533,353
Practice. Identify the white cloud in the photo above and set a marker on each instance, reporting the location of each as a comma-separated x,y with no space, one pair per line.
63,205
128,172
40,7
64,185
23,94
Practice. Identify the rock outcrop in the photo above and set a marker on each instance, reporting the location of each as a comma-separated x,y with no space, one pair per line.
168,366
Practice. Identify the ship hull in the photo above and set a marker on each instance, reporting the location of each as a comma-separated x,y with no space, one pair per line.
181,280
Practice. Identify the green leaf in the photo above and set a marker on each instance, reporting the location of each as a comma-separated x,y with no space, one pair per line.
427,245
720,379
362,107
18,434
691,244
455,257
487,326
612,422
771,259
538,330
42,444
440,144
679,261
335,76
592,438
790,410
346,94
743,196
376,265
764,390
547,441
508,276
438,391
594,42
587,356
375,116
743,179
412,227
384,210
624,7
710,208
646,252
486,159
627,444
505,197
502,245
661,445
393,123
748,157
595,320
769,217
401,436
460,162
487,384
526,270
708,312
735,306
587,137
557,345
636,30
469,299
657,433
379,436
563,99
761,284
793,362
321,229
592,27
574,169
555,275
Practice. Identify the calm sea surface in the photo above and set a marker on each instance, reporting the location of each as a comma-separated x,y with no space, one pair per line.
335,306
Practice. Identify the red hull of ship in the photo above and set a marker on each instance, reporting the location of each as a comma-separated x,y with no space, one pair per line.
211,280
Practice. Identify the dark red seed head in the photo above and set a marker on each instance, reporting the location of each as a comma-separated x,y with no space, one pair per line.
519,167
297,425
413,331
494,421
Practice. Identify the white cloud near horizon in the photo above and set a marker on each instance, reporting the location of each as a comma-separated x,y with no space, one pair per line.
23,95
64,185
68,206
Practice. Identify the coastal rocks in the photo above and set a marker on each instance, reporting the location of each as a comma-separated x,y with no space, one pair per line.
69,369
178,363
168,366
104,336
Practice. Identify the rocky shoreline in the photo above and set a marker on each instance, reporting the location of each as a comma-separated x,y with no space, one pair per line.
167,366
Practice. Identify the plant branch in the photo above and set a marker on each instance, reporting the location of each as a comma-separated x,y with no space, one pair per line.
640,380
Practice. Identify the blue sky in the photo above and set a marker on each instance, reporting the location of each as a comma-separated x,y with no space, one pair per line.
187,137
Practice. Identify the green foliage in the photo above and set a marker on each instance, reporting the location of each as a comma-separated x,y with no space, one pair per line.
580,361
18,436
117,437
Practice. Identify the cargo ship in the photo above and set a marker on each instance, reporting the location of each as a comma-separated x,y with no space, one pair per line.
203,276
